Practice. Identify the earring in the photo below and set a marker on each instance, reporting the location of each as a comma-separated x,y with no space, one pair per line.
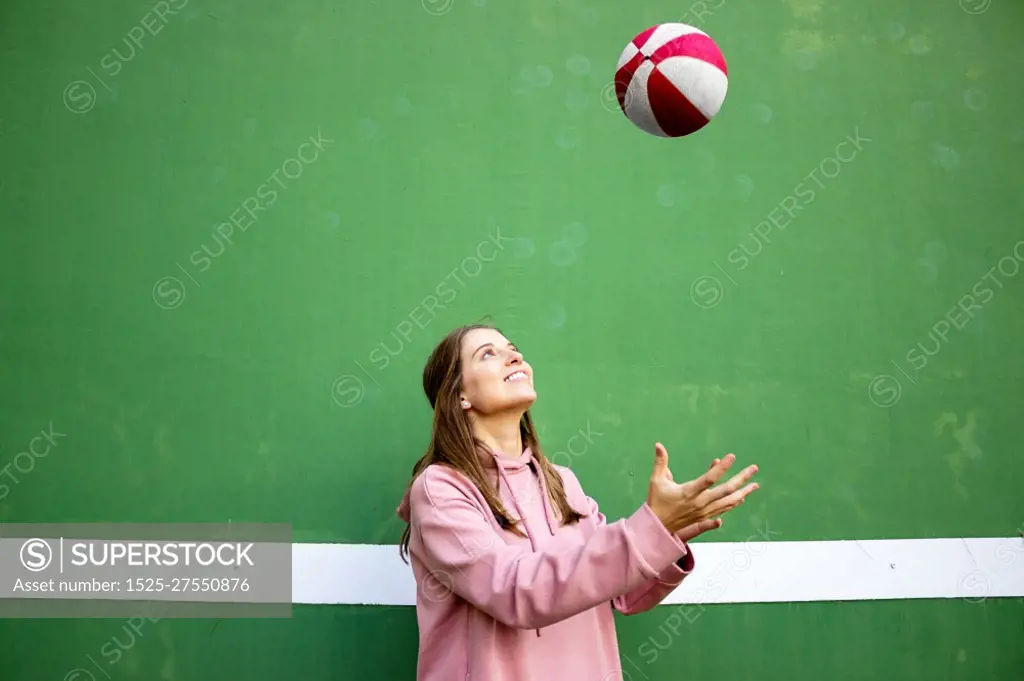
465,404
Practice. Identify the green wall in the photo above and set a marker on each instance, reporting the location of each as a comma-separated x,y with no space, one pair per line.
659,288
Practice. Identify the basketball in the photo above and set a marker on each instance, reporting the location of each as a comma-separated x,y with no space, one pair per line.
671,80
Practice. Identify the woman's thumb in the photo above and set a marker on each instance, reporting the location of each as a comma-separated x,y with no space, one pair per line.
660,460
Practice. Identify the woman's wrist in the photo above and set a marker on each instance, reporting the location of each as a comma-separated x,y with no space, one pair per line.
662,517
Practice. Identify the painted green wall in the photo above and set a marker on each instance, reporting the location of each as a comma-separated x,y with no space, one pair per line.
230,403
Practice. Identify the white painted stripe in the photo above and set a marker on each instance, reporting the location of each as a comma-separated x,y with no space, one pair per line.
725,572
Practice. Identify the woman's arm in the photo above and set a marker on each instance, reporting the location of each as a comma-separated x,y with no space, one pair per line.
652,591
526,589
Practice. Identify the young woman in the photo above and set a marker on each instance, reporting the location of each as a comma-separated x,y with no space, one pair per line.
517,569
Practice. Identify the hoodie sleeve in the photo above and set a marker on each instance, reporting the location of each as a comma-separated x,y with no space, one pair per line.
525,589
653,591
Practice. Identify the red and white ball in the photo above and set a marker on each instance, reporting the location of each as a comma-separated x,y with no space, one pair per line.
671,80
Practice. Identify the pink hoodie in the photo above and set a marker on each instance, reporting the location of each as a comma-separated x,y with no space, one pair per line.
492,606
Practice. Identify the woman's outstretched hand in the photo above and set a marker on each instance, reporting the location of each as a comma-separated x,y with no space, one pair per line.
694,507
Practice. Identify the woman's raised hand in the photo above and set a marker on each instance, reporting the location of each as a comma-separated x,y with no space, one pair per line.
695,506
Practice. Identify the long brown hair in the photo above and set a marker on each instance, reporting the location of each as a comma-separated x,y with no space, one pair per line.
453,444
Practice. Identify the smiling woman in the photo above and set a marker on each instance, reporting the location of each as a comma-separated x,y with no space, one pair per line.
486,577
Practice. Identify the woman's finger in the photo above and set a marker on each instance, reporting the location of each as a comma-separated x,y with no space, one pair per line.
711,476
698,528
730,487
660,461
720,506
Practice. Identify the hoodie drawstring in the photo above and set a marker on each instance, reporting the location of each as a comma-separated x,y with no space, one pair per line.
548,513
545,499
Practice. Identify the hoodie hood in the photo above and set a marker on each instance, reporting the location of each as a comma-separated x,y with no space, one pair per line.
504,465
403,508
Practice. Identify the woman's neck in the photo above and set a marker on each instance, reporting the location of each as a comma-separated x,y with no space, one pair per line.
501,433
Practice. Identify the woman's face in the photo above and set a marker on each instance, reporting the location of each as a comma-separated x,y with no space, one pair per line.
495,378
